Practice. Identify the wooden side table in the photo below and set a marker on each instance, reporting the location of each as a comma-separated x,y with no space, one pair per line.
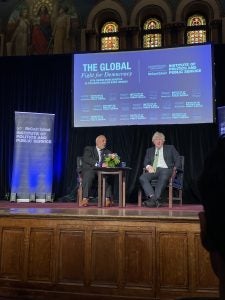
102,174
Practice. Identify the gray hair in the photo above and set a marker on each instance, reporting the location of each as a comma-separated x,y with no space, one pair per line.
158,135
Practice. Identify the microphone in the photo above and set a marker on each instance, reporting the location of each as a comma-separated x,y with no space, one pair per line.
157,152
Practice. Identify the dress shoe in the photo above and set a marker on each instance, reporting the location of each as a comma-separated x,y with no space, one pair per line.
149,203
108,202
84,202
158,203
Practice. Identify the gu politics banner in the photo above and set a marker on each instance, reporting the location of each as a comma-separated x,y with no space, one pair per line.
33,154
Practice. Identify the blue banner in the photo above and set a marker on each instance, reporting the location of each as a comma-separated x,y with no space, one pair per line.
33,154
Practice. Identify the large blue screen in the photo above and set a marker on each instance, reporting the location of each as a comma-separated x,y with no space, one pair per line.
159,86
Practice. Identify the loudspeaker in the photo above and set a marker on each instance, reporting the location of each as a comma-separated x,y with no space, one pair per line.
40,198
48,197
23,197
32,197
13,197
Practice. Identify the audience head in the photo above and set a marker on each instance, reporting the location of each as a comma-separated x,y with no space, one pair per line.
212,220
158,139
101,141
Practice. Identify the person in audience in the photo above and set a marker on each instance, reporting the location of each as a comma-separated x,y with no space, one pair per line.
93,156
160,162
212,221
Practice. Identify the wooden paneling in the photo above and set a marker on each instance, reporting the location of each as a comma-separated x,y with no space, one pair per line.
139,259
12,253
84,259
172,251
104,257
71,256
204,276
41,252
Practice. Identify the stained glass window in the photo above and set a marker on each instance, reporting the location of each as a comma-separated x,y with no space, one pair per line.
109,36
199,34
152,35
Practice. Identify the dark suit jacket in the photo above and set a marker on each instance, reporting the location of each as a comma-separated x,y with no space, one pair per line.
170,154
90,157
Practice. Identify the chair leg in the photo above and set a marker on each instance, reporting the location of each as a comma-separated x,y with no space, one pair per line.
170,196
180,196
79,195
139,197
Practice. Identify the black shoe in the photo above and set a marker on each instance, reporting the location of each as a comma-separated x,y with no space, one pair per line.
152,203
149,203
162,202
158,204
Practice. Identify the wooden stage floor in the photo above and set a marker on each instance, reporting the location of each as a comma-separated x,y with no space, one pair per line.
71,209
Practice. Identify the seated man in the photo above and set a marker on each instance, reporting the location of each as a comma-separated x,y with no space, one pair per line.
94,156
160,162
212,221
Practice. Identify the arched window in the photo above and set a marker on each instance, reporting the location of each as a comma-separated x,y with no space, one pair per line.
109,36
196,29
152,33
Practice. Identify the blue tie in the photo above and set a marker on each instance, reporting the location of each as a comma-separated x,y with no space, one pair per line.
101,156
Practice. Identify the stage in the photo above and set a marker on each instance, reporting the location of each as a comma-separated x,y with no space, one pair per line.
60,251
72,209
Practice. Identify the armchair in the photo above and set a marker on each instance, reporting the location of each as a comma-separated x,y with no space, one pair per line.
175,186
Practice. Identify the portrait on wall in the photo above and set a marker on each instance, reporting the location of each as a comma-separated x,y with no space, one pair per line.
42,27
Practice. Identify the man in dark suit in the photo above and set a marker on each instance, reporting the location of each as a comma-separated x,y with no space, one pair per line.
93,157
160,162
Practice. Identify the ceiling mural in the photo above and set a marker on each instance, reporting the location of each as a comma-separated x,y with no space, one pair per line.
41,27
33,27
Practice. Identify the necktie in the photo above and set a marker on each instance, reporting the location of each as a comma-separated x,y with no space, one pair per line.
156,158
101,157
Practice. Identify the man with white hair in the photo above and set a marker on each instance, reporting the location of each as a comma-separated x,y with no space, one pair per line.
160,162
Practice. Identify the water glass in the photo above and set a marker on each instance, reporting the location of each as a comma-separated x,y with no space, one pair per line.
123,164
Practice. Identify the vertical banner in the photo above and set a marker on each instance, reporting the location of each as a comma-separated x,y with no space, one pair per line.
33,155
